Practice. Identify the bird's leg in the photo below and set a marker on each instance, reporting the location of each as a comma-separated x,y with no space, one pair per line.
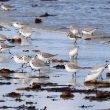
75,42
39,72
9,52
32,69
75,57
73,75
22,66
49,62
22,70
101,77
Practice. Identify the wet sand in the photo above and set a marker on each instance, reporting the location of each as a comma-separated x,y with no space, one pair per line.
90,54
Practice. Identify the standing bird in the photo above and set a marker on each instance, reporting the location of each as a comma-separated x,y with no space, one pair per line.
72,68
44,56
26,32
95,73
37,64
21,59
73,53
6,7
73,34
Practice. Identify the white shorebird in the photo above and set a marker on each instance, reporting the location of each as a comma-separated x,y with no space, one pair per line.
37,64
73,53
44,56
72,68
17,25
95,73
21,59
6,7
73,34
88,31
26,32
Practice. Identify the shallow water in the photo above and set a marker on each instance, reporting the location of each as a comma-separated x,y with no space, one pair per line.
78,13
90,55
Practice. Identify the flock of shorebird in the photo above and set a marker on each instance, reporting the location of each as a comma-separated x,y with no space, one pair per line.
43,59
74,34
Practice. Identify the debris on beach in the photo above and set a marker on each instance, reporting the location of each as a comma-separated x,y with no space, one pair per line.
97,82
29,88
13,95
108,75
46,15
99,97
6,72
66,95
38,20
59,67
58,61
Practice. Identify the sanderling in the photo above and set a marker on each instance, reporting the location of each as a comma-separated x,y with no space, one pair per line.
21,59
6,7
73,52
44,56
95,73
26,32
73,34
72,68
37,64
17,25
88,31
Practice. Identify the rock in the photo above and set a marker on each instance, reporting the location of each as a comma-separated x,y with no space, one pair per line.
108,75
4,0
38,20
33,87
99,97
34,5
46,15
6,72
15,40
66,95
59,61
59,67
13,95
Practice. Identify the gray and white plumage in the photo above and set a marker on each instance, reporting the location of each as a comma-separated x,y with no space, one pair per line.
44,56
25,31
95,73
37,64
71,67
73,52
73,33
6,7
